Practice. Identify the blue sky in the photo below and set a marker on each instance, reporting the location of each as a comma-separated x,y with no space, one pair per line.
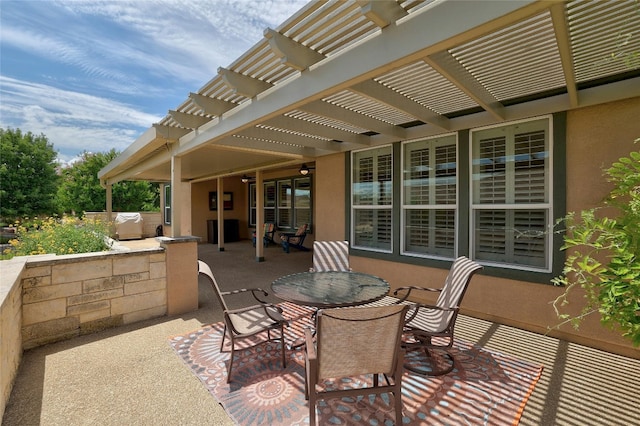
94,75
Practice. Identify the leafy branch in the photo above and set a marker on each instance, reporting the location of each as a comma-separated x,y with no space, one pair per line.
604,245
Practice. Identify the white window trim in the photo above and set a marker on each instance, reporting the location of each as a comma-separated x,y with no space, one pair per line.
549,205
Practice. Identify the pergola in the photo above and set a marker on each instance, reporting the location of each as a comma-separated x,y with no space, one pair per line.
344,75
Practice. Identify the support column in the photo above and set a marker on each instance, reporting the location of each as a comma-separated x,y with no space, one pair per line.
182,273
109,206
176,200
220,207
259,217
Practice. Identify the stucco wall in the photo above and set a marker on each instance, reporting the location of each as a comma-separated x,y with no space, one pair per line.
329,198
596,137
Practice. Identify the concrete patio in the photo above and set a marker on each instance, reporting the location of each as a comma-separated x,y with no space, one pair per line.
130,375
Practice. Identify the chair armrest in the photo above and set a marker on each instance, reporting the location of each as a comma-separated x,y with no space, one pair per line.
262,305
310,347
415,309
408,289
244,290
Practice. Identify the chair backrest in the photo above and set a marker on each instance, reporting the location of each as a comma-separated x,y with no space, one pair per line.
269,228
204,269
355,341
331,256
456,285
301,231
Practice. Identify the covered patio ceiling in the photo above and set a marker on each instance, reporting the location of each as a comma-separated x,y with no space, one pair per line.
343,75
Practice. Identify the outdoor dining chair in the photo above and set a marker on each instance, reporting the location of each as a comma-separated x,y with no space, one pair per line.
354,342
425,322
246,322
330,256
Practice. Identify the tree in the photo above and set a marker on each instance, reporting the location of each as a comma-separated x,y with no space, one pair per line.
28,178
605,256
81,191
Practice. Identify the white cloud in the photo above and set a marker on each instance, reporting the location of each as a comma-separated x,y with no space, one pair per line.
72,121
96,69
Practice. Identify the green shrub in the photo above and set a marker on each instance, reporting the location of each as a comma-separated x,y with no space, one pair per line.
604,254
59,236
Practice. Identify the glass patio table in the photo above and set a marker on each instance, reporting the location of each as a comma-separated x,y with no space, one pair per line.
330,289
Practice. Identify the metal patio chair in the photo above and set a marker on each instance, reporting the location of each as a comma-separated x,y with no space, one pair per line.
248,321
330,256
425,322
352,342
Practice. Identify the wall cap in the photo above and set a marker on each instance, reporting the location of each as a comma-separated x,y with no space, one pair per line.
178,240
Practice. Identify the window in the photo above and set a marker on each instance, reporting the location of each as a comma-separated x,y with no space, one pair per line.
429,197
372,199
511,195
287,202
284,204
302,198
167,204
487,195
270,202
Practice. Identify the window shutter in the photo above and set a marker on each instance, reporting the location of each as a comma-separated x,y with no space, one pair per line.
511,172
430,198
492,187
372,190
530,177
445,174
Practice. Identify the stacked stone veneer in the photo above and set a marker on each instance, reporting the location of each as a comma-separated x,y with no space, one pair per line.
48,298
67,296
10,326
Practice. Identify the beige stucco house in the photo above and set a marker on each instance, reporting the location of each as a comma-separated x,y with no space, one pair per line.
431,129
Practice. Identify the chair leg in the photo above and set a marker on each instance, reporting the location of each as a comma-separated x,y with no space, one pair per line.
230,361
398,401
312,410
284,355
224,334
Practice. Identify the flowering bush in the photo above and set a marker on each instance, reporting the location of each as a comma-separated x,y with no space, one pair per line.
60,236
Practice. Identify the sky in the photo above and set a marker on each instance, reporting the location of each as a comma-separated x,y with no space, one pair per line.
95,75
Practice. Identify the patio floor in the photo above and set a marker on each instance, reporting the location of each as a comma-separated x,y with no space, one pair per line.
130,375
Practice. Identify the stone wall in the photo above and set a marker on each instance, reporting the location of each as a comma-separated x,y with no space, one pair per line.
67,296
10,326
47,298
